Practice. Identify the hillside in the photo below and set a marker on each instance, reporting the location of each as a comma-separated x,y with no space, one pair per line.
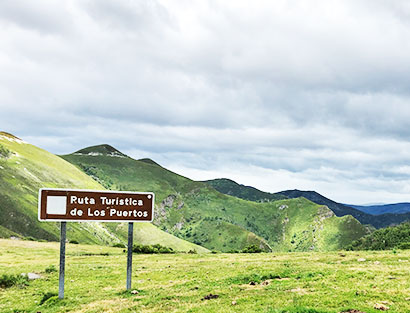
25,168
395,237
339,209
229,187
387,214
195,211
396,208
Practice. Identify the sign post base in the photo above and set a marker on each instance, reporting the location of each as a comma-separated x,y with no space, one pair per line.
129,254
62,260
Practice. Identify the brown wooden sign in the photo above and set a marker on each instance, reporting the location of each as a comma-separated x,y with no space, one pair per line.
95,205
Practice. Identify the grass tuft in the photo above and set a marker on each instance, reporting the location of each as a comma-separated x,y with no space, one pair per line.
50,269
7,281
49,297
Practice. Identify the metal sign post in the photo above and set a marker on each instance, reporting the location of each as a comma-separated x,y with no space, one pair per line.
129,254
62,260
72,205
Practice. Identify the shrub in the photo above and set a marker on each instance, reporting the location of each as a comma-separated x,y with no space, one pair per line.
4,152
7,281
151,249
252,249
47,296
233,251
50,269
384,239
403,245
193,251
118,245
74,242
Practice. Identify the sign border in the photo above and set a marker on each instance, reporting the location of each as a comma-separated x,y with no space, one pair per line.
100,191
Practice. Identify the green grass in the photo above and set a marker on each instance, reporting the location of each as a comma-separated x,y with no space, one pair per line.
22,173
196,212
25,168
294,282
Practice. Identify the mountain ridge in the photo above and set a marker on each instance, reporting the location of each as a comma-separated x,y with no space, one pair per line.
340,209
229,187
225,185
197,212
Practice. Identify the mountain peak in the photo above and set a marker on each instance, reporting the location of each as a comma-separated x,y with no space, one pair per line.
104,149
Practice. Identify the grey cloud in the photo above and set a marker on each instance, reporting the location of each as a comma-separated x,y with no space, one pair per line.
43,16
316,93
128,16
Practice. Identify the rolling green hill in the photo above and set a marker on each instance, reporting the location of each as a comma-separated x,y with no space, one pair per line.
230,187
385,239
378,221
195,211
25,168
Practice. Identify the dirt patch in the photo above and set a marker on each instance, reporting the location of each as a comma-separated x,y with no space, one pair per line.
381,307
300,291
210,296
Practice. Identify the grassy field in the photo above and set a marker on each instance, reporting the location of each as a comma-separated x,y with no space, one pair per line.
283,282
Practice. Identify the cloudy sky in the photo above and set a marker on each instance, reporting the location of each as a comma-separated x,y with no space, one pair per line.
313,95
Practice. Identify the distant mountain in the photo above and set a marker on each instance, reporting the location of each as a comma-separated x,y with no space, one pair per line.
25,168
229,187
196,212
378,209
339,209
395,237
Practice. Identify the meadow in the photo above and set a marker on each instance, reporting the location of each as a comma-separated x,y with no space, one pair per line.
265,282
